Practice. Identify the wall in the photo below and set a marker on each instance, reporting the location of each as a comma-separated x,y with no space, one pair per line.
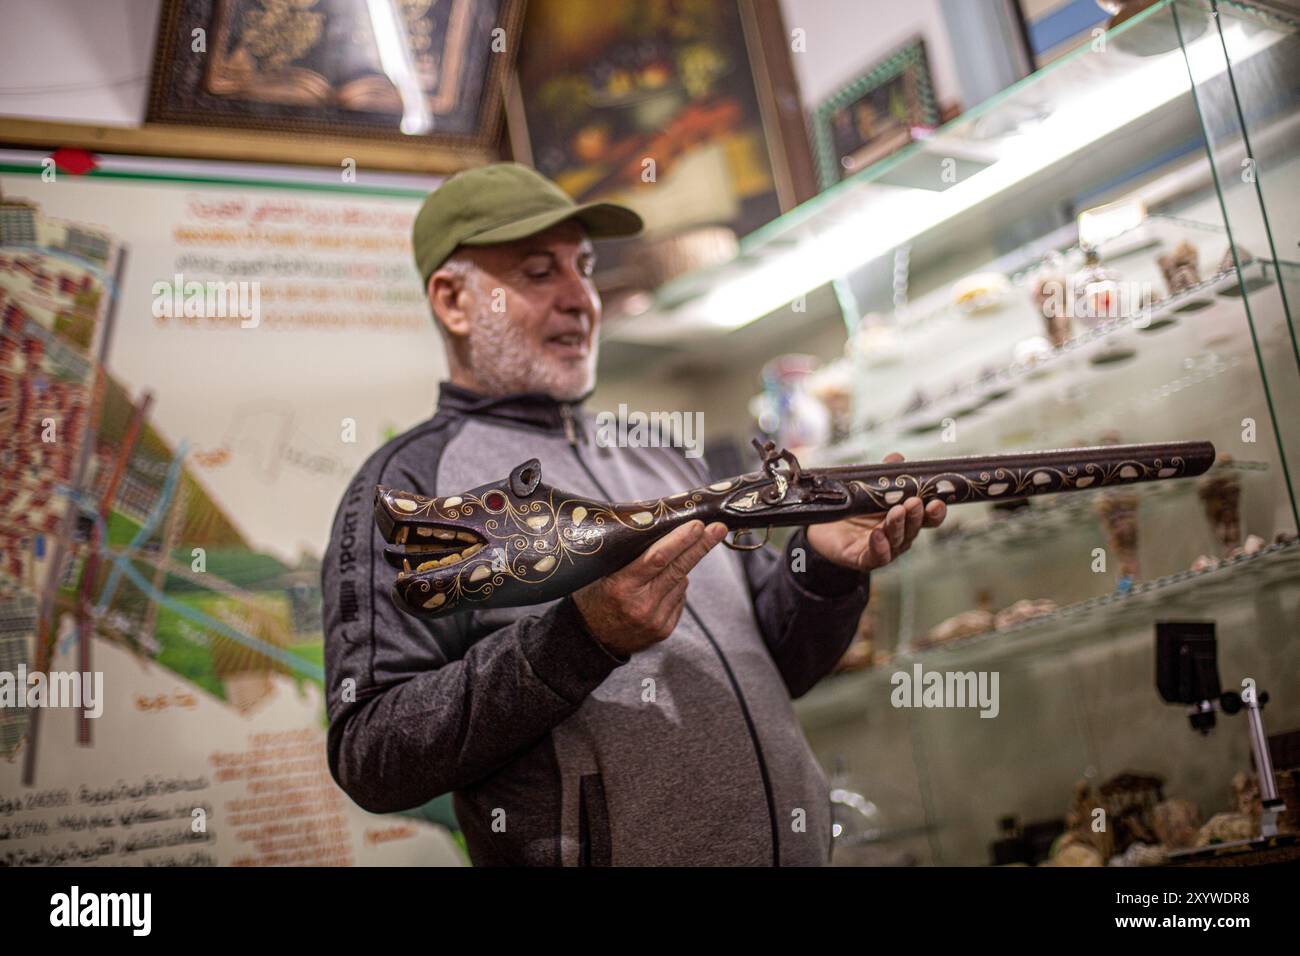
89,61
85,61
847,36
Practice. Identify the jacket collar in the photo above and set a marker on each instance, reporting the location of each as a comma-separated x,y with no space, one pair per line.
534,409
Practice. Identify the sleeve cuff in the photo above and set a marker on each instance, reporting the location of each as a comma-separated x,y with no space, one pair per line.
565,655
821,577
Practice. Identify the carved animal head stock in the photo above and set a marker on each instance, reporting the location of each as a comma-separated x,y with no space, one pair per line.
518,541
506,543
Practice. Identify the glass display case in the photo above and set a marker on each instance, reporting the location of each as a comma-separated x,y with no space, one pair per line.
1108,251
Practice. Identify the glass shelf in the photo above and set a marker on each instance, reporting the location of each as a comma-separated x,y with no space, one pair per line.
1178,135
1071,627
1170,327
1042,521
1108,105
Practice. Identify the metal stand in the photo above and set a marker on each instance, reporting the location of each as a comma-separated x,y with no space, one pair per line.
1252,701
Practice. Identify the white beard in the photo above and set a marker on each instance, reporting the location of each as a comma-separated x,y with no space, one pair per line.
502,364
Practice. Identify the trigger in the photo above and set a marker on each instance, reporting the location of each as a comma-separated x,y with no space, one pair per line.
733,542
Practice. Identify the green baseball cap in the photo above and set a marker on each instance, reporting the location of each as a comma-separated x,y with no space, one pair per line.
500,203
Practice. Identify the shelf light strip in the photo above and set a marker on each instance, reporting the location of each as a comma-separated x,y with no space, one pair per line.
887,220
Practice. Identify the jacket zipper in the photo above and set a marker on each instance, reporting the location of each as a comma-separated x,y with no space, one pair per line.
566,414
570,433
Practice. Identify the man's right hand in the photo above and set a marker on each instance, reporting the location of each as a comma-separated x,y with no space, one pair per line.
639,605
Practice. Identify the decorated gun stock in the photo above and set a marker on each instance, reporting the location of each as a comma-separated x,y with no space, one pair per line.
518,541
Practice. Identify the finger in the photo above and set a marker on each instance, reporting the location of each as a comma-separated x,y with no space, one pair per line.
878,552
692,555
895,526
935,512
664,552
670,601
671,607
893,456
915,515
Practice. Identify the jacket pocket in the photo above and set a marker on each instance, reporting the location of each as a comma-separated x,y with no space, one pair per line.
593,822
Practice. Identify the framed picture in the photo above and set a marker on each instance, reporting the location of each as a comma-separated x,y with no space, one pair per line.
415,73
686,110
875,115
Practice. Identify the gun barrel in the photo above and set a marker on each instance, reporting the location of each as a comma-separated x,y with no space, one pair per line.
877,488
517,541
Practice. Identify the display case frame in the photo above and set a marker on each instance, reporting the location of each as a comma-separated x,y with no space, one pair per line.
1208,164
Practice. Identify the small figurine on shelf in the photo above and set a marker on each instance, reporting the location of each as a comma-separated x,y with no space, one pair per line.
1220,494
1094,290
875,342
1227,263
1245,794
1176,822
786,410
1118,512
1048,291
832,385
1087,840
1180,268
1250,278
1023,610
1031,353
1242,821
1131,800
980,293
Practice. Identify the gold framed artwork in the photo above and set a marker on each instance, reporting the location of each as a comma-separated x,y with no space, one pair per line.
875,115
687,110
412,74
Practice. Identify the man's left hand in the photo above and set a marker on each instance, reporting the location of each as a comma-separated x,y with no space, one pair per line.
868,542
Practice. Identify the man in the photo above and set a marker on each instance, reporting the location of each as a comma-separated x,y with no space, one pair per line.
631,722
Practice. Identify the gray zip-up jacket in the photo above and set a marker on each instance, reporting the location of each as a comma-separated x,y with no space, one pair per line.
558,751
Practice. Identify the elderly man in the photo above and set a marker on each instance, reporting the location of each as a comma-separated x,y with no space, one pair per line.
633,722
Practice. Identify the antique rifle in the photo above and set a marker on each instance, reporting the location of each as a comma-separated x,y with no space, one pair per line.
517,541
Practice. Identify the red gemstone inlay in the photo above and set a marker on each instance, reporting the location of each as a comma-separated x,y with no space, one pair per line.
495,500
